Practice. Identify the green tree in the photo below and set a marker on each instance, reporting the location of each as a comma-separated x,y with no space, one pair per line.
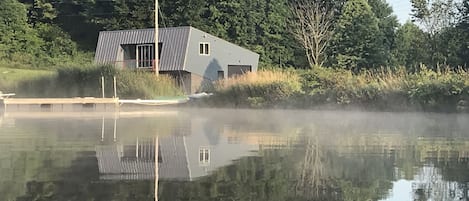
354,43
385,38
41,12
122,14
435,17
464,27
78,19
57,43
411,47
18,39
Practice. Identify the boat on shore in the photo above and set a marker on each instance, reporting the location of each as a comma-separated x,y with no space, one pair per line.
156,102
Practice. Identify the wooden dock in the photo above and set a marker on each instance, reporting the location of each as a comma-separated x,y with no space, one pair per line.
59,104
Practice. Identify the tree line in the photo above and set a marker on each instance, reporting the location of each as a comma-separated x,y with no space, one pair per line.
358,34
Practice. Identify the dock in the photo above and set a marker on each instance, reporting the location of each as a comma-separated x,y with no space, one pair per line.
58,104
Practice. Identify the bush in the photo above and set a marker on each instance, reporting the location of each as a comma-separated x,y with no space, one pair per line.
385,89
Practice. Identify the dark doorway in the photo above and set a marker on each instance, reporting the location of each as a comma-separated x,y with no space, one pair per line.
221,75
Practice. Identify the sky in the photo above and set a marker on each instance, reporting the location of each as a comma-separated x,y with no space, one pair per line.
401,9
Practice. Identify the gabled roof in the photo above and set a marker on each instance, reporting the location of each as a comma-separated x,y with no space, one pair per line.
173,54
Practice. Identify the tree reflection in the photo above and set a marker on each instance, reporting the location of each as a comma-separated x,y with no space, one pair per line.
311,174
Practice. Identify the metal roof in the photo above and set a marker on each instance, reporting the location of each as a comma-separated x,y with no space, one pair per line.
173,167
173,53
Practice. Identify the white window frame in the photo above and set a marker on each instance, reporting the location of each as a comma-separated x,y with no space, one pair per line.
205,47
145,48
204,156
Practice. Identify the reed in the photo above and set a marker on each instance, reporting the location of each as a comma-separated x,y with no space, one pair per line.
266,88
85,81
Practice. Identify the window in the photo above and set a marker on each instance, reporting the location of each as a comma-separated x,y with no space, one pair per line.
146,55
204,48
204,155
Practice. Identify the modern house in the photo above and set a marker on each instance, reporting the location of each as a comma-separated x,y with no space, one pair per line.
194,58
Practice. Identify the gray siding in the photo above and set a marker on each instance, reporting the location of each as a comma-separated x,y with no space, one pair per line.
222,153
175,41
180,52
222,54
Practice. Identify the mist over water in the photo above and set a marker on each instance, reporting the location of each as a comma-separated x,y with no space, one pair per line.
207,154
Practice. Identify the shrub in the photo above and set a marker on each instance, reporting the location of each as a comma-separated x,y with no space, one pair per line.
386,89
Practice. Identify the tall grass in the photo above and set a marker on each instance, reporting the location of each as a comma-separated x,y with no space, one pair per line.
261,89
11,77
85,82
381,89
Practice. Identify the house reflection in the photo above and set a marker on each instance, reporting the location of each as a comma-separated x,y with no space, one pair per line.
195,149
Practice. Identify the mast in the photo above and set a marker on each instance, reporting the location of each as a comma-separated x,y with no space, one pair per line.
157,74
156,60
157,144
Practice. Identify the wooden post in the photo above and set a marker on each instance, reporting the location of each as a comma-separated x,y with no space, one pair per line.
102,84
115,127
156,62
115,87
156,167
136,150
102,130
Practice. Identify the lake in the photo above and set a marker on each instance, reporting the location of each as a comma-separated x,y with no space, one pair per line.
232,155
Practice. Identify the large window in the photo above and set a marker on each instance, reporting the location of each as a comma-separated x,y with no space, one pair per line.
204,155
204,48
146,55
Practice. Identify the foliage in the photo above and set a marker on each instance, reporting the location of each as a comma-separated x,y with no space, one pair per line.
387,89
411,46
48,33
386,37
35,41
17,35
436,17
354,41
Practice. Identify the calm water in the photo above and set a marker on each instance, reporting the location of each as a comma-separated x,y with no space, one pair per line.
234,155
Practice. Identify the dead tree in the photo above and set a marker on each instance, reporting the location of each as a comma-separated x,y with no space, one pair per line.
312,26
311,174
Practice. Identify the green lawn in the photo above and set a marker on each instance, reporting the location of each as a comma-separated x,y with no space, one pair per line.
9,77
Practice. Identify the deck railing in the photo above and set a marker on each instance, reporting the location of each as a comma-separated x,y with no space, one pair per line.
135,64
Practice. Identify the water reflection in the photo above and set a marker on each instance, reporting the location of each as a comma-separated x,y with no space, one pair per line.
234,155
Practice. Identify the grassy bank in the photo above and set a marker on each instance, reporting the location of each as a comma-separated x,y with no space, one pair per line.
388,90
85,82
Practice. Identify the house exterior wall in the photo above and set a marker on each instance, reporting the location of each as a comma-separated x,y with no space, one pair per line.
222,152
199,83
222,54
